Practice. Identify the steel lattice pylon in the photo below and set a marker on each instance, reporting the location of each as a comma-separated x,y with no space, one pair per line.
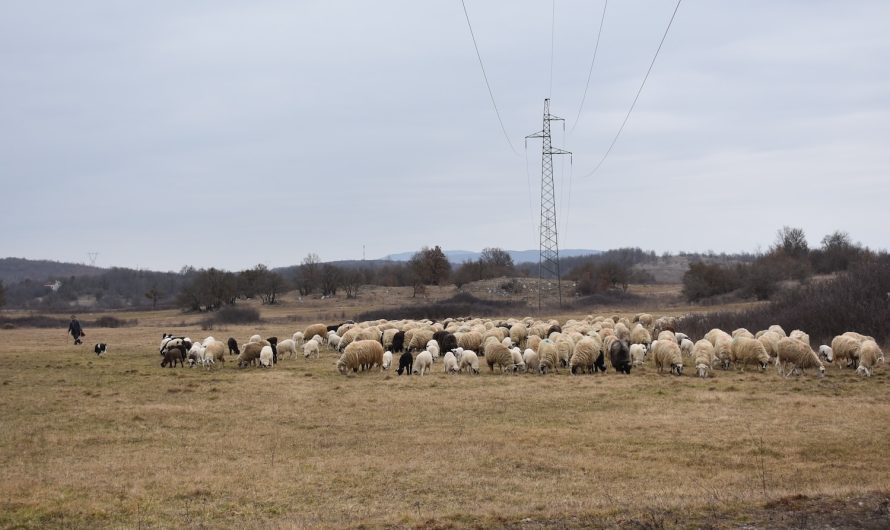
548,261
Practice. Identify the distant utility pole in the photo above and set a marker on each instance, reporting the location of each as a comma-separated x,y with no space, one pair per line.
93,256
548,260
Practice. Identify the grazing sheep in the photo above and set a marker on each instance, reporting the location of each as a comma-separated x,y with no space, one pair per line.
667,356
825,353
778,329
433,347
196,354
172,355
398,342
799,355
266,357
406,361
333,340
622,332
869,355
723,351
315,329
498,354
619,356
846,347
638,354
518,362
686,346
742,332
770,340
744,349
387,359
471,340
530,358
419,339
422,363
532,341
254,338
564,347
703,357
298,338
681,337
519,334
548,357
311,347
233,346
213,353
800,335
715,334
640,335
250,353
667,335
445,340
469,360
361,355
287,347
450,363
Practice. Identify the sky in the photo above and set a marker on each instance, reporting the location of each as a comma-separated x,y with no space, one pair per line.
227,134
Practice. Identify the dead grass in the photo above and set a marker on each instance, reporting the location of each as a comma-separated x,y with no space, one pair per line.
119,442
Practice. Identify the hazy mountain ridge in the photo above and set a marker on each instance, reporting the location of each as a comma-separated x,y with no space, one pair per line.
13,270
456,257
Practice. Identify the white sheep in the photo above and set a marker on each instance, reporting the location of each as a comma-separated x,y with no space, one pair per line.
298,338
869,355
686,346
387,359
309,348
800,335
450,363
195,354
287,346
667,356
333,340
703,357
518,362
744,350
799,355
254,338
433,347
530,358
422,363
826,353
846,347
638,354
266,357
469,360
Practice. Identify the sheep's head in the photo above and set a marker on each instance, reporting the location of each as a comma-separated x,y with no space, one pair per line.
342,368
821,371
702,370
826,353
677,368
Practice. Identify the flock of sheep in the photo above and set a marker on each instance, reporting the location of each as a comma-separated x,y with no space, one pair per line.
529,345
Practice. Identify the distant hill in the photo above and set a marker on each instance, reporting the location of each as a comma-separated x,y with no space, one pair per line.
13,270
457,257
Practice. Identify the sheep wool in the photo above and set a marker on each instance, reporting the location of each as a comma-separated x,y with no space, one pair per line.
315,329
360,355
638,354
450,363
548,357
703,357
640,335
530,358
585,356
250,353
869,355
498,354
422,363
798,355
744,350
387,359
519,334
469,360
667,356
847,348
309,348
213,353
287,346
266,357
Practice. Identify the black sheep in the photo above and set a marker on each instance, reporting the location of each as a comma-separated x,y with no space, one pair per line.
398,342
273,342
619,355
233,346
555,328
172,355
446,341
599,365
406,363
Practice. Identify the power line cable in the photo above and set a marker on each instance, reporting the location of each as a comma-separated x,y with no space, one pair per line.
626,117
487,84
590,71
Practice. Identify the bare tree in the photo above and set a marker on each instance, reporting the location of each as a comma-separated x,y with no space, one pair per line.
152,294
792,242
352,281
308,275
330,279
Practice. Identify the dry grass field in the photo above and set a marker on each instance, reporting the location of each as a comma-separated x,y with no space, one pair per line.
118,442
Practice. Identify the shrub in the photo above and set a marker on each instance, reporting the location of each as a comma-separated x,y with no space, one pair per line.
111,322
236,315
855,301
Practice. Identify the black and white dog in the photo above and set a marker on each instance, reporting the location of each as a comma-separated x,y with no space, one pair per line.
100,348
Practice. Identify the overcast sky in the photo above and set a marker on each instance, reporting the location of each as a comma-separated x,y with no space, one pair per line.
226,134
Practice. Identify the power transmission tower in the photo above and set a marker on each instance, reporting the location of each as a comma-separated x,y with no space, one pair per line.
93,256
548,260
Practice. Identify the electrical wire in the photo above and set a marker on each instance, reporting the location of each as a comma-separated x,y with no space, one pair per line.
487,84
590,71
552,46
626,117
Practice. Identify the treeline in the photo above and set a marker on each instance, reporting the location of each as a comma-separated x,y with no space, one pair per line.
789,259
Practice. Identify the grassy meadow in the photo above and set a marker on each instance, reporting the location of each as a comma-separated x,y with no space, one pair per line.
119,442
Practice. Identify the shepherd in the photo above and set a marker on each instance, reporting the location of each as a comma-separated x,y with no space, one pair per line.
75,330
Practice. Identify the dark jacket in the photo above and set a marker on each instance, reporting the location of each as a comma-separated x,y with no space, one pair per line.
74,329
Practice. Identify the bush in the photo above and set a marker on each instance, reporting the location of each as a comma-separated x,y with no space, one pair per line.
110,322
609,298
34,321
460,305
855,301
236,315
704,281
